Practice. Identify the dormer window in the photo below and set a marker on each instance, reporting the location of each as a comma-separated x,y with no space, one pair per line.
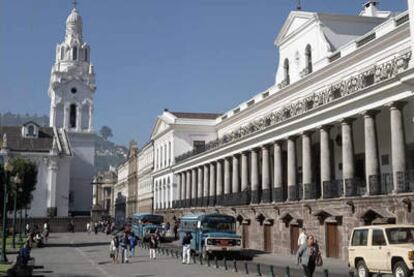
30,130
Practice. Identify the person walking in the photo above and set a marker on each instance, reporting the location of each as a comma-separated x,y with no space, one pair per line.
153,244
88,227
132,243
96,228
124,243
309,256
176,231
302,237
187,248
114,249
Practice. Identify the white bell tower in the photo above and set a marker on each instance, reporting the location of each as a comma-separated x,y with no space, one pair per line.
71,90
72,81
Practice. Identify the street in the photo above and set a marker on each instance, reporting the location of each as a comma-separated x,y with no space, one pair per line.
80,254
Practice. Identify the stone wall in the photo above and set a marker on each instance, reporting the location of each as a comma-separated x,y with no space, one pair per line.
314,215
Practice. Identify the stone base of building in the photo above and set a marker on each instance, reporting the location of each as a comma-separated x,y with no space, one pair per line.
329,220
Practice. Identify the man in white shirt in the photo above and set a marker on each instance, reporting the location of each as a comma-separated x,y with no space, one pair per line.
302,237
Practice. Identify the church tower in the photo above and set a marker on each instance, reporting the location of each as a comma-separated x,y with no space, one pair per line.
71,90
72,81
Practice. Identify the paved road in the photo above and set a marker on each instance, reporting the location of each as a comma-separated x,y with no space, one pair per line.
86,255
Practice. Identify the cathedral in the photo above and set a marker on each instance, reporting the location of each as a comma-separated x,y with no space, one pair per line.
65,151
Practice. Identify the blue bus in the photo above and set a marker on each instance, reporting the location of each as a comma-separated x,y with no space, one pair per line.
212,233
145,224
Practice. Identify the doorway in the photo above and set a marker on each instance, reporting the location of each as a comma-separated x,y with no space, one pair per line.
294,235
332,240
267,238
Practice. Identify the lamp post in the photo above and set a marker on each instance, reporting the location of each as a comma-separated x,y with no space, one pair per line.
7,169
17,182
21,226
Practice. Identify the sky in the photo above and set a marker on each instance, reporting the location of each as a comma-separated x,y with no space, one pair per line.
184,55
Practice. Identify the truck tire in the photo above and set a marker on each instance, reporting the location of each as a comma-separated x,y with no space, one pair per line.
400,269
362,270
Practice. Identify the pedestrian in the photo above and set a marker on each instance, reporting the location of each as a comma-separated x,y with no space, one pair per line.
124,243
187,248
309,256
153,244
114,249
71,227
302,237
27,229
96,228
88,227
176,231
132,243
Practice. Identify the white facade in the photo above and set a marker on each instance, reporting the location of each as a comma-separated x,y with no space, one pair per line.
71,89
175,134
145,167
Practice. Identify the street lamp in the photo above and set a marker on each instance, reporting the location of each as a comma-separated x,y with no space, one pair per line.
16,188
7,169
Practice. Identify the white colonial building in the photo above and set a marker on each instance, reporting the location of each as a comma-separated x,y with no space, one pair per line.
65,151
71,90
174,134
329,146
145,167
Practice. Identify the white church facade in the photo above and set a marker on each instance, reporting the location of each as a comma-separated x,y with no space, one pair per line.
64,152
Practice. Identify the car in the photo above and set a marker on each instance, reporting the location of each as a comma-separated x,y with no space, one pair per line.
382,249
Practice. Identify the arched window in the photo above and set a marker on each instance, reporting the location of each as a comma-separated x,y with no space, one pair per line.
75,53
169,153
286,71
62,53
308,57
72,116
86,54
30,130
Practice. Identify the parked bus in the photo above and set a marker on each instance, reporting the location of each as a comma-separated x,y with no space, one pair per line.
212,233
145,224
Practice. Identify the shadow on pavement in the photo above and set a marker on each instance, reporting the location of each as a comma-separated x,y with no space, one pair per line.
83,244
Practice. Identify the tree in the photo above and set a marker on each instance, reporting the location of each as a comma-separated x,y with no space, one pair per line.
106,132
27,172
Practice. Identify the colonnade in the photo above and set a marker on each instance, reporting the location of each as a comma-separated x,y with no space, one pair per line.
253,176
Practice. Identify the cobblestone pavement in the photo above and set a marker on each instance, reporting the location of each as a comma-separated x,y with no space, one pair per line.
80,254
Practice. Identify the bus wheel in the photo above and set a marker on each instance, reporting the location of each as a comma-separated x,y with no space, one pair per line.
204,253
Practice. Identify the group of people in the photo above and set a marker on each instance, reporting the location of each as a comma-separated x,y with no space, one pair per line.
125,244
308,254
36,236
105,226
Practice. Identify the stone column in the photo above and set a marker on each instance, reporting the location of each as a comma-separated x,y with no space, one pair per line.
291,169
227,181
212,189
219,183
194,187
371,153
79,117
325,163
398,148
178,181
266,191
278,172
245,198
90,118
205,185
200,187
348,172
309,188
254,177
155,195
235,196
51,200
188,189
183,189
66,117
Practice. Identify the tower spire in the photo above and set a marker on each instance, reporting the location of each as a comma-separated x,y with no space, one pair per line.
75,4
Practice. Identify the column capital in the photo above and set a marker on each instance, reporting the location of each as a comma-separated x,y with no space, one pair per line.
395,105
292,137
278,142
369,113
307,132
346,121
325,127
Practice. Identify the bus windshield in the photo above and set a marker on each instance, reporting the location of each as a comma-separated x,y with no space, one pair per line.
154,219
219,224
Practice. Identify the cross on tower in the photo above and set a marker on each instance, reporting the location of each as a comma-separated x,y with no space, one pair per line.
298,5
75,3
